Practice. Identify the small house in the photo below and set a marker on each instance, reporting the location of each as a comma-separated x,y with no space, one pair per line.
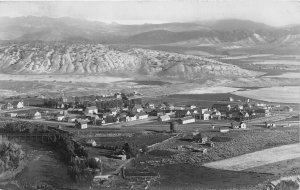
91,142
71,119
60,117
142,115
230,99
18,104
182,113
150,105
287,109
8,106
221,107
187,120
224,130
91,109
80,124
137,109
114,111
206,115
242,125
12,114
36,115
163,118
270,125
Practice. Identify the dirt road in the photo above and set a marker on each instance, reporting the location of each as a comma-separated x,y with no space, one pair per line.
258,158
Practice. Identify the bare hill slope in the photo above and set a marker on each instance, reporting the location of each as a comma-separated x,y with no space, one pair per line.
79,58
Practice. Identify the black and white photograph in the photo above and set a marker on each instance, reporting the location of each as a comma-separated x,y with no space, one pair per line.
150,95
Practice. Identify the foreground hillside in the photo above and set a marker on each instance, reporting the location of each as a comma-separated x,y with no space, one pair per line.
66,58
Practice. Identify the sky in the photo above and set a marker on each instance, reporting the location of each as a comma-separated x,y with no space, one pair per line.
271,12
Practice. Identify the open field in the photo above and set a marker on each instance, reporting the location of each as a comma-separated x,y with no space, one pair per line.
259,158
287,75
285,94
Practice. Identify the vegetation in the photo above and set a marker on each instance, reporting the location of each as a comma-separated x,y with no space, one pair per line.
11,155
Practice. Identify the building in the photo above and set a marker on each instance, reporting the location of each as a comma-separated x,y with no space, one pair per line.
60,117
187,120
91,109
182,113
137,109
287,109
216,115
80,124
221,107
163,118
206,115
142,115
150,105
237,125
242,125
71,119
91,142
230,99
202,110
18,104
12,114
36,115
114,111
7,106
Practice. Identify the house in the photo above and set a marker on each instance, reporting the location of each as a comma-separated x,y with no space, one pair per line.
262,112
80,124
230,99
114,111
91,109
170,107
259,104
91,142
206,115
18,104
224,130
8,106
200,138
131,118
162,106
36,115
179,108
150,105
60,117
215,115
156,113
242,125
287,109
12,114
137,109
60,105
270,125
202,110
71,119
221,107
170,113
187,120
163,118
191,107
182,113
142,115
237,125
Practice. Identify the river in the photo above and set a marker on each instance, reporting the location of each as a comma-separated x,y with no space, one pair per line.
44,167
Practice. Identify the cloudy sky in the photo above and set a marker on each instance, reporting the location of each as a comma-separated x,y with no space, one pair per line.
272,12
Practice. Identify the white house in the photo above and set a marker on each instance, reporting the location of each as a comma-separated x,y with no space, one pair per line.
243,125
71,119
80,124
187,120
91,142
113,111
206,115
18,104
37,115
137,109
91,109
142,116
60,117
131,118
164,118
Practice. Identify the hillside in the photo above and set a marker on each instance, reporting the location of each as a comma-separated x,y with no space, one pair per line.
79,58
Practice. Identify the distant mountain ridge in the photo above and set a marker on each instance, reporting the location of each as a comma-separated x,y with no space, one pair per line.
69,29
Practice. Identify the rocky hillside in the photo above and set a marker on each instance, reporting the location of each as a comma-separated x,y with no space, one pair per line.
75,58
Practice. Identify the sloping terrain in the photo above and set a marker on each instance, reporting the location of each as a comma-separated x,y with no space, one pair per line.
82,58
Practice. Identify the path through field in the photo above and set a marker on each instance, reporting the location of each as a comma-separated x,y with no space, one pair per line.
258,158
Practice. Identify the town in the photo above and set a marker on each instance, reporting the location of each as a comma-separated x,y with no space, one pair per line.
111,126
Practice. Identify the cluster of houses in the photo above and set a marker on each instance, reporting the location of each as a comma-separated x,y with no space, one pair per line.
119,108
